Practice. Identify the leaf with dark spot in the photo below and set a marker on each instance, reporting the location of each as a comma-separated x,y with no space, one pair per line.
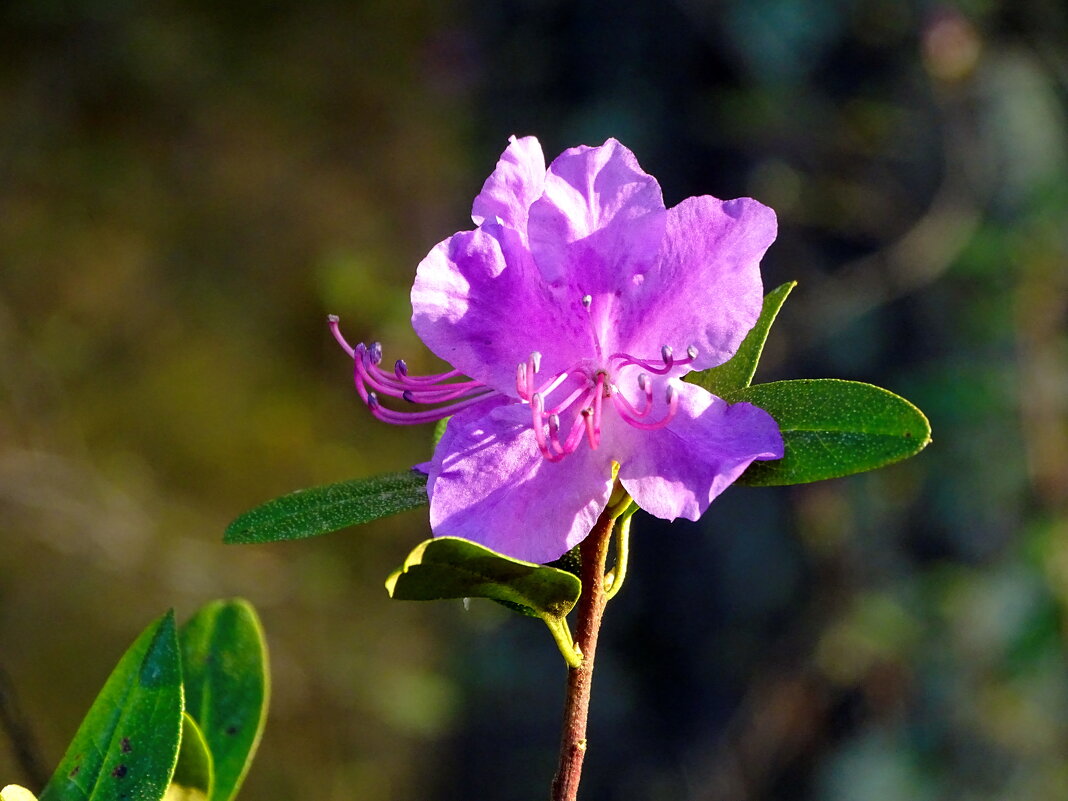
141,699
226,684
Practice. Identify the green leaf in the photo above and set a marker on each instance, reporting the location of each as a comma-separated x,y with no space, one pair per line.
194,774
738,371
833,428
450,567
127,745
15,793
320,510
224,657
439,430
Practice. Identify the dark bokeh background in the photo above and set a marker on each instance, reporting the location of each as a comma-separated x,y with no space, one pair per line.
186,189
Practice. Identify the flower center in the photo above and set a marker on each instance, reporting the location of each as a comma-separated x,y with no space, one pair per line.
578,394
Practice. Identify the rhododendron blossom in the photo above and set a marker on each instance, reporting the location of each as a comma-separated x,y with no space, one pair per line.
569,316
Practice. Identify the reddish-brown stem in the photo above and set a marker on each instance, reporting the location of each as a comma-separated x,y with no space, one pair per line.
594,551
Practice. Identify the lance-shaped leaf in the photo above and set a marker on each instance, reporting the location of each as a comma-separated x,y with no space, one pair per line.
450,567
194,774
833,428
320,510
224,659
738,371
127,745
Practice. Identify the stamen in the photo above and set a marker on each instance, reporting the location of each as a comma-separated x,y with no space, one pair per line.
333,320
372,381
537,409
645,384
591,433
421,392
569,400
574,436
533,363
598,398
587,301
524,378
549,386
429,416
667,359
624,411
521,381
554,433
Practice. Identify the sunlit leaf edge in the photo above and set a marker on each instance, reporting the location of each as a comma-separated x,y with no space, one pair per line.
512,599
194,746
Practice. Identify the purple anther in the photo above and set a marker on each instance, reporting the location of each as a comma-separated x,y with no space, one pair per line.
692,352
375,352
400,369
408,395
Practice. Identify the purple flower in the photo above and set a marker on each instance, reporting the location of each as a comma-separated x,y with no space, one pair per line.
569,316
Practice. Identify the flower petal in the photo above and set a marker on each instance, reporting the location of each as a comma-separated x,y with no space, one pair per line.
704,289
514,185
589,190
489,483
479,303
678,470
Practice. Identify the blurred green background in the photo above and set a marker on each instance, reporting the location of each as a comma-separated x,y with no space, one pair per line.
187,188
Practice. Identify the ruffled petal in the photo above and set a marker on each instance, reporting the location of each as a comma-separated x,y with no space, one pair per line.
599,223
704,288
678,470
479,303
489,483
515,184
590,190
